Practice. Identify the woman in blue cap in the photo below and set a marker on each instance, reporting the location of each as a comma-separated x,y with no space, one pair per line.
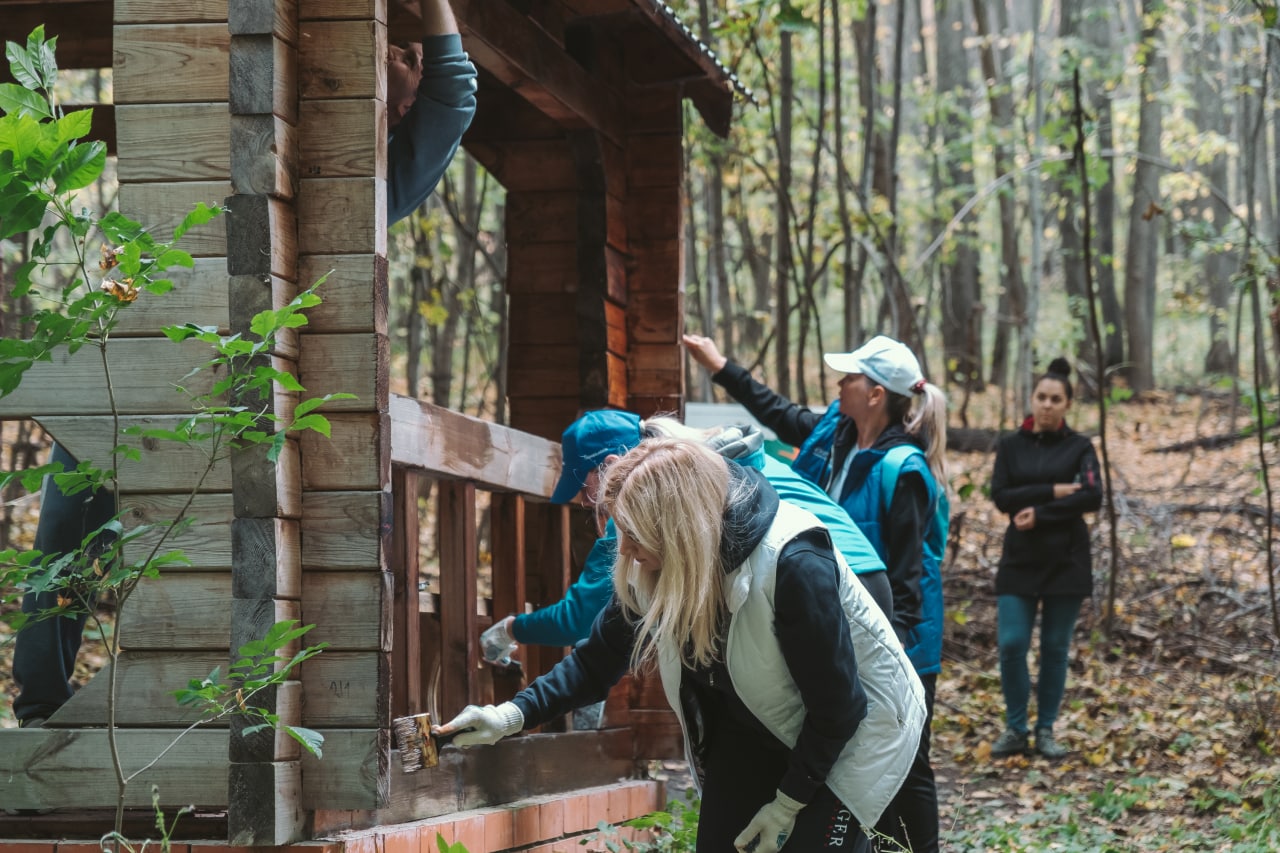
600,437
878,451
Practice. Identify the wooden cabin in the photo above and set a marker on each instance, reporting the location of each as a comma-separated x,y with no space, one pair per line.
277,109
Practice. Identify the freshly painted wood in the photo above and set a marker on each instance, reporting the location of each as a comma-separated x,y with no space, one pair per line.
456,502
454,445
150,58
173,142
405,559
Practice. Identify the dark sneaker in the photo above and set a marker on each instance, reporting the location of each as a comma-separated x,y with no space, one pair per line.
1010,742
1047,746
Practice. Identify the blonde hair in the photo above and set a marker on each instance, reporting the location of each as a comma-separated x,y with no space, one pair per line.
666,426
925,414
668,496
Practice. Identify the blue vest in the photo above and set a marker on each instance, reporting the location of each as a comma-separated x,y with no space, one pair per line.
868,487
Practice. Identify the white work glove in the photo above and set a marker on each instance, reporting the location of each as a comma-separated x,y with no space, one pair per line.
772,825
497,644
477,726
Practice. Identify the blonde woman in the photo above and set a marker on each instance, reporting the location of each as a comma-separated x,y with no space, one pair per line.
800,710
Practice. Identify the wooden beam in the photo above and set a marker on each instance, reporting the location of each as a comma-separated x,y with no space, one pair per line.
405,557
150,58
347,690
52,768
527,59
460,653
452,445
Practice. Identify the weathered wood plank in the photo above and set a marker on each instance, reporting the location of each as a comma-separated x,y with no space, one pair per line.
164,12
260,236
450,444
354,295
342,139
144,372
276,489
163,466
199,296
354,772
264,804
339,59
319,10
347,690
266,557
344,530
356,456
351,610
49,768
342,216
149,58
355,363
272,17
264,155
174,142
162,206
144,691
263,77
207,543
179,610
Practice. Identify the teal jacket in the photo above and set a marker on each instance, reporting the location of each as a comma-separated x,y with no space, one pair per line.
569,620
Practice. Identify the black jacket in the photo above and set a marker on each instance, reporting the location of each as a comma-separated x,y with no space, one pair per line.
811,630
1052,558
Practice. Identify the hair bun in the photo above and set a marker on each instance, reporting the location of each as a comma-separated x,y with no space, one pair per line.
1060,367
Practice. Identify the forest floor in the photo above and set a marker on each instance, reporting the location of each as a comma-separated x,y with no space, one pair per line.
1173,718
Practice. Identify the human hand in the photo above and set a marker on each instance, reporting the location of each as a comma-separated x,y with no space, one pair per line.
1025,519
482,726
705,352
1061,490
497,644
771,826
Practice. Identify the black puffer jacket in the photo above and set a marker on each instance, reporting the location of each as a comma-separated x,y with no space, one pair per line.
1053,557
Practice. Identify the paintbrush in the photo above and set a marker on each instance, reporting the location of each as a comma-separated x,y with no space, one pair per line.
418,747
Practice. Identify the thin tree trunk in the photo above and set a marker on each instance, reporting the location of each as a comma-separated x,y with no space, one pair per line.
782,268
1142,254
852,290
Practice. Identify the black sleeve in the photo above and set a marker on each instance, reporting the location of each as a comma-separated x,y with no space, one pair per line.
587,674
814,636
1009,498
1085,499
904,529
790,421
877,583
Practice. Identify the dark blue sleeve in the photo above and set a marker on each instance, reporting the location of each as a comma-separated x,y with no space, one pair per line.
586,675
569,620
1088,498
813,633
423,144
1007,497
790,421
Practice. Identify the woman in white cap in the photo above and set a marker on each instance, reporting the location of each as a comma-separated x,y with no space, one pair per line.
878,451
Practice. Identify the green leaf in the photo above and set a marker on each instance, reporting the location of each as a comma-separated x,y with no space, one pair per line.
310,739
75,125
198,216
316,423
17,100
81,168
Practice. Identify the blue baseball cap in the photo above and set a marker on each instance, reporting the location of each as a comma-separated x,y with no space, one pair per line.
587,442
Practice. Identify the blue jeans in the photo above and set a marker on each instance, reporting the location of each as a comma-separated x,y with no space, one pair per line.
1016,616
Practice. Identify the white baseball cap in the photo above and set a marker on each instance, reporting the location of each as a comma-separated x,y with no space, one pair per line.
884,361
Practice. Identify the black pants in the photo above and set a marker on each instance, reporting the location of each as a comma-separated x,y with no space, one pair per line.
743,767
44,651
912,816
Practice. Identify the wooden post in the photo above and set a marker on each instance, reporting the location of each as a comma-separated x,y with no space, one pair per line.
509,592
265,776
406,665
460,646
